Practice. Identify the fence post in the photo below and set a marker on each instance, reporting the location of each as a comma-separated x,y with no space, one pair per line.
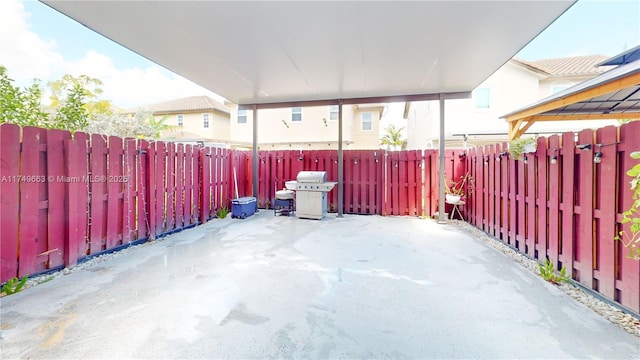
57,211
584,223
504,194
10,200
606,212
76,167
97,161
554,200
542,200
530,210
149,180
567,205
205,184
115,192
491,191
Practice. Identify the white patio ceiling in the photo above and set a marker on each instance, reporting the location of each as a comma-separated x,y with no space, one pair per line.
286,52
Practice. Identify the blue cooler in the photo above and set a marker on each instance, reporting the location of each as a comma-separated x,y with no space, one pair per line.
243,207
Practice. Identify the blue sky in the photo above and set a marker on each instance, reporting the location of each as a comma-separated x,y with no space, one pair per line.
73,39
38,42
587,28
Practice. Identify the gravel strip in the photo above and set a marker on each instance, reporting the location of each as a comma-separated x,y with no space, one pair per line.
37,280
623,320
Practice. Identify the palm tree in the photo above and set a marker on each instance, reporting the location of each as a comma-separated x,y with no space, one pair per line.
392,137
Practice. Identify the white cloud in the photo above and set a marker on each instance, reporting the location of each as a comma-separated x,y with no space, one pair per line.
27,56
24,53
134,86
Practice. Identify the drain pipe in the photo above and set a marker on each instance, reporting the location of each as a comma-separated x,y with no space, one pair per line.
441,213
254,165
340,162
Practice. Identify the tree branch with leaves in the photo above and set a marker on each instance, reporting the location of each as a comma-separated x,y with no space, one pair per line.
631,239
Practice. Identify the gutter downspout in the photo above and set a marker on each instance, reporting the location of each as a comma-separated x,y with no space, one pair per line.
441,213
256,160
340,162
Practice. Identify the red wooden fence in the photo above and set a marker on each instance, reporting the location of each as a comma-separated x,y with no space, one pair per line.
375,181
562,206
64,198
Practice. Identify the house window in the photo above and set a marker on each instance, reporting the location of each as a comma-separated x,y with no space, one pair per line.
482,98
180,120
367,121
333,112
556,89
205,121
242,116
296,114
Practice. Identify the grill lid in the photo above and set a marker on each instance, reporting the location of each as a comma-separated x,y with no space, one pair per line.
312,177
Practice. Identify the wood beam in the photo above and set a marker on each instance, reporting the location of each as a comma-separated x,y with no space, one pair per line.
513,127
590,93
524,128
586,117
516,129
511,132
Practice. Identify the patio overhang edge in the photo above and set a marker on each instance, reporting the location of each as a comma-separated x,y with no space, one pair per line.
355,101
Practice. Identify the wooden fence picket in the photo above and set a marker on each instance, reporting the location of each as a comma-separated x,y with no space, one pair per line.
9,200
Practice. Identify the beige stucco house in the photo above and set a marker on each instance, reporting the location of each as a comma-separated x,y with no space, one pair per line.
203,119
194,119
514,85
308,128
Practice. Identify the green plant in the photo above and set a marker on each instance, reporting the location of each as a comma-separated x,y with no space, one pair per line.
392,137
72,115
516,147
73,103
548,273
631,239
465,182
222,212
21,107
14,285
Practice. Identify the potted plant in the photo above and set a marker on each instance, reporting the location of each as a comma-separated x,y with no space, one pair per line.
455,190
521,146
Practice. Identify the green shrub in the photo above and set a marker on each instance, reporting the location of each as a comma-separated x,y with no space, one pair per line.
222,212
516,147
14,285
548,273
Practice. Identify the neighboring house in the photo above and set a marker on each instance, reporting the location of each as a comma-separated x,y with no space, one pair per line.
309,128
514,85
193,119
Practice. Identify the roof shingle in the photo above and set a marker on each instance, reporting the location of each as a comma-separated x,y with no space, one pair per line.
187,104
571,66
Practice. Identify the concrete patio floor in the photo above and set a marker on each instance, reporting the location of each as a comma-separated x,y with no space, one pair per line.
281,287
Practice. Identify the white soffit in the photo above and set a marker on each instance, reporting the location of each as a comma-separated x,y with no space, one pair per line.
272,52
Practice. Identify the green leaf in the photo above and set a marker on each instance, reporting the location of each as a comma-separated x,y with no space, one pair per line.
635,155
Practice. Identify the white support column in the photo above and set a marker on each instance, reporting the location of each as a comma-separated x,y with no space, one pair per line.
256,160
441,213
340,162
